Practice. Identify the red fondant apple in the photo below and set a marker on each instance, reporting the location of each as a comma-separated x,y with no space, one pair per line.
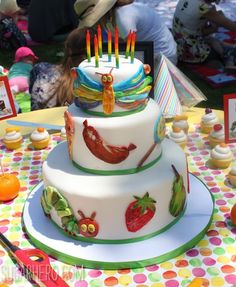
9,186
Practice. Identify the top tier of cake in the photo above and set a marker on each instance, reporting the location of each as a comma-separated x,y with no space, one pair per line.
109,91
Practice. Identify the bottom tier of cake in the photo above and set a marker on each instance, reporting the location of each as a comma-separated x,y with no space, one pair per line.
115,209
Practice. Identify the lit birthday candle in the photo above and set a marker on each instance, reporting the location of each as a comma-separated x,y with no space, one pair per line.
109,45
133,46
128,45
96,51
99,41
117,47
88,48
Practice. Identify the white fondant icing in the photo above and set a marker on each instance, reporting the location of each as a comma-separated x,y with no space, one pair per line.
220,152
218,134
12,136
183,124
137,129
178,137
39,136
125,71
110,196
209,119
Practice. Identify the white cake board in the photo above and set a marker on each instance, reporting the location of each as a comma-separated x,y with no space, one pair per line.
186,233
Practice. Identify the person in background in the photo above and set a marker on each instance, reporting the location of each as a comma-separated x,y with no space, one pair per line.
52,85
51,17
128,15
9,8
194,23
23,4
19,72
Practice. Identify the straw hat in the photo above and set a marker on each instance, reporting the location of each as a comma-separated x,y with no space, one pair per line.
91,11
8,7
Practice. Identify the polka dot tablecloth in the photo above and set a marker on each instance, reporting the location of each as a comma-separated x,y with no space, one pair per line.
213,259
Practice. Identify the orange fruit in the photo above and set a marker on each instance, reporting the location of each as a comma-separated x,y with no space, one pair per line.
9,186
233,214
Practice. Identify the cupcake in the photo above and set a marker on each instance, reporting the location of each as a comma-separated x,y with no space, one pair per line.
232,175
63,134
40,138
178,136
208,120
217,135
12,138
221,156
181,122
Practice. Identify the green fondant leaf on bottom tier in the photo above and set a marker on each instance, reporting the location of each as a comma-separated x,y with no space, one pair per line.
52,199
178,198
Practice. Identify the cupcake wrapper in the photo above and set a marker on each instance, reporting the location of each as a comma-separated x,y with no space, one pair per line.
40,144
13,145
221,163
206,129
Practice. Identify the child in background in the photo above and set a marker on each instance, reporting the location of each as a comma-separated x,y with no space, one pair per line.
51,85
129,15
19,75
194,25
19,72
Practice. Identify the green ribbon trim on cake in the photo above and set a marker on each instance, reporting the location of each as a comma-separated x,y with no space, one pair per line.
121,265
120,241
115,114
117,172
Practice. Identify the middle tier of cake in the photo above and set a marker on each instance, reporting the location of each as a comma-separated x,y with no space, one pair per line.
115,145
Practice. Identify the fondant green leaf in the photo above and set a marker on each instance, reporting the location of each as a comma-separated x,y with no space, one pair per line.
61,204
65,212
45,206
178,198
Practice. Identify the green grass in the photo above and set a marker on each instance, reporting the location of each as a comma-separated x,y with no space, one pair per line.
46,53
49,53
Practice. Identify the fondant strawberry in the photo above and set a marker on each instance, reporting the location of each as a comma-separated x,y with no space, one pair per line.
139,212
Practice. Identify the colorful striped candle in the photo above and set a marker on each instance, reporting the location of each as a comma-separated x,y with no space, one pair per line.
99,31
128,45
117,47
133,38
109,43
96,51
88,48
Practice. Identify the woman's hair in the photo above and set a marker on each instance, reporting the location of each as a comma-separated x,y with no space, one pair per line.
74,54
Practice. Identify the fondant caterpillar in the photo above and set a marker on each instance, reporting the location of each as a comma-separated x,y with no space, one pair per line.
86,226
